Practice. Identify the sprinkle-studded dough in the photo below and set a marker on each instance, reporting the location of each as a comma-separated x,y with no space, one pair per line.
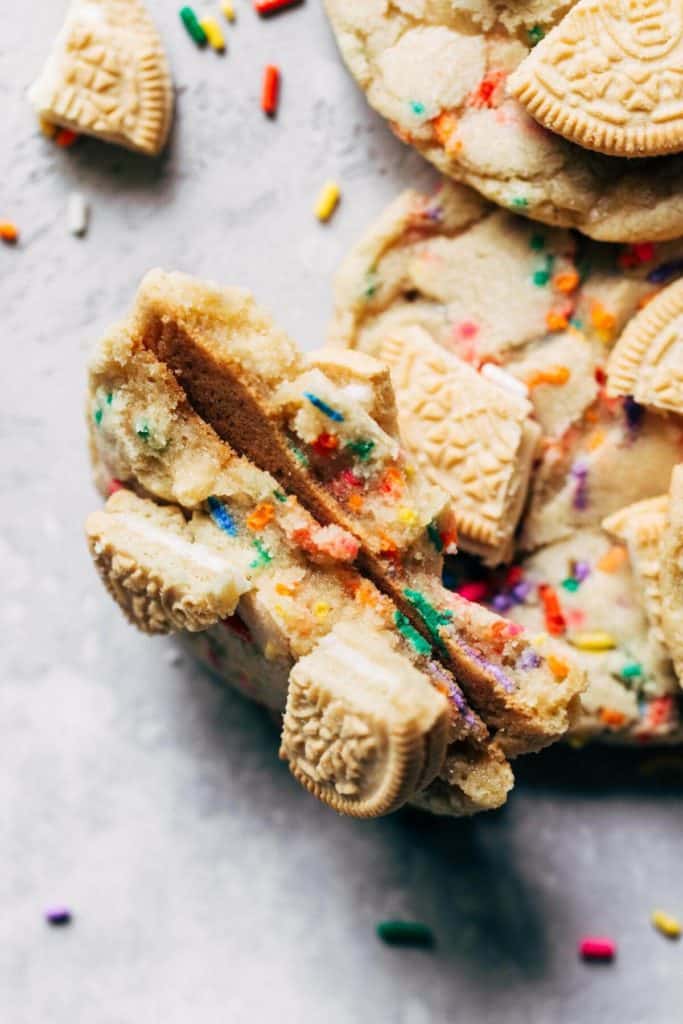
647,361
542,308
438,72
671,574
608,77
293,584
108,76
316,435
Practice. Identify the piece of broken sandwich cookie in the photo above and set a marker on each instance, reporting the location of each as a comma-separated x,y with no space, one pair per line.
325,427
196,538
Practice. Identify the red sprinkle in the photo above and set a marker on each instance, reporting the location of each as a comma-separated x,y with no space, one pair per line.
325,443
270,6
554,619
474,591
66,138
594,947
270,91
113,486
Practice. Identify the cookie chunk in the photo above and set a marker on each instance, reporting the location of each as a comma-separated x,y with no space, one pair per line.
441,74
108,76
317,436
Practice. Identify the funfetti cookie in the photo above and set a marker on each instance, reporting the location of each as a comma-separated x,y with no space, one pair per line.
107,76
440,74
540,305
595,602
243,560
608,77
313,425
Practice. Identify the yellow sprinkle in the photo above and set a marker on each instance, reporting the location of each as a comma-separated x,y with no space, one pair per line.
213,33
597,641
48,129
228,10
327,200
320,609
595,440
407,516
666,924
410,470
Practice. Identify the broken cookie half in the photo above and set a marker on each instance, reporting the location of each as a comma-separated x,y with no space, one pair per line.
211,545
324,429
108,76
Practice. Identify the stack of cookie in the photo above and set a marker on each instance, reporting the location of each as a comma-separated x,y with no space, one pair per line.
454,535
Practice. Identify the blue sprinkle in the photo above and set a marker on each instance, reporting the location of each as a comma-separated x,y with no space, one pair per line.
222,517
665,271
324,407
633,411
417,108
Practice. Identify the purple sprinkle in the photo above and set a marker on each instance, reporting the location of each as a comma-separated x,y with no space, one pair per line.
530,659
633,411
664,271
521,591
502,602
434,213
581,571
579,471
58,915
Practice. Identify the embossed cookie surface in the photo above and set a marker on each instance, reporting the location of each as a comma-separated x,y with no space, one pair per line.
359,722
610,77
108,76
647,361
161,578
467,435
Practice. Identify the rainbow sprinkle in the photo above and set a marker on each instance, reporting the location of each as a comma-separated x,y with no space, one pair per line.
408,631
221,517
328,411
361,448
264,555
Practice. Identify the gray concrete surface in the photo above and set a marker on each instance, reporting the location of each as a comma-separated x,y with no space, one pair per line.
206,886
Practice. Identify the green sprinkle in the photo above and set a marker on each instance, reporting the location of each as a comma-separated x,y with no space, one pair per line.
535,34
371,284
417,107
575,322
97,416
362,448
632,670
411,634
298,454
435,536
519,202
537,242
571,584
279,496
110,397
405,933
143,431
264,555
541,277
430,615
191,23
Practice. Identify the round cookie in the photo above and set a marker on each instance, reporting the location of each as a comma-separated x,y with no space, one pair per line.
539,308
438,70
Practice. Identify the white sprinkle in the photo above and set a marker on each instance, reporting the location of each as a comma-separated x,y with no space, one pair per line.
504,380
77,213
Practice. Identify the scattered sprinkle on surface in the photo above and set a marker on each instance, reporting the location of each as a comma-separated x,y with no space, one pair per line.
405,933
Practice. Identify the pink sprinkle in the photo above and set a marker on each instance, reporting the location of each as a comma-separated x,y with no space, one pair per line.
594,947
475,591
467,329
114,486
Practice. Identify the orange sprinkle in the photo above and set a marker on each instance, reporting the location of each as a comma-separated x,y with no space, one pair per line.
595,440
554,619
392,482
559,668
445,128
591,415
261,516
566,281
281,588
554,375
612,559
366,595
645,300
556,321
603,321
9,232
355,502
615,719
65,138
